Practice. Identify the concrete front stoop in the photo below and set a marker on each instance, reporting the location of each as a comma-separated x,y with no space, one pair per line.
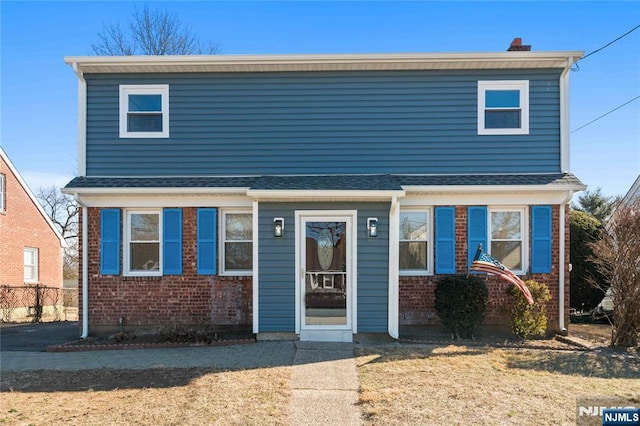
324,385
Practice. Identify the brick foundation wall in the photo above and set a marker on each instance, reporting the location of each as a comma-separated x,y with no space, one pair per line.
417,301
187,299
22,225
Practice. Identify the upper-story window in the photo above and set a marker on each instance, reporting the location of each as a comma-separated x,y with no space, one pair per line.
144,111
503,107
2,193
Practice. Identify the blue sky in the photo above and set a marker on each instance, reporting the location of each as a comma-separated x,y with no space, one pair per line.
39,92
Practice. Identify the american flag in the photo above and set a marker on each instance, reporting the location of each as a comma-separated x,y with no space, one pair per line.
483,262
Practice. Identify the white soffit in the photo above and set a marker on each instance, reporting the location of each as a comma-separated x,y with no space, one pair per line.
342,62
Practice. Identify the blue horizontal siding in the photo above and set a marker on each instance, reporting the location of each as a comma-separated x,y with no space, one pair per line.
326,123
276,295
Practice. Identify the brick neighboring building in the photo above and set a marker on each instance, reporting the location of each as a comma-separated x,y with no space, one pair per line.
31,248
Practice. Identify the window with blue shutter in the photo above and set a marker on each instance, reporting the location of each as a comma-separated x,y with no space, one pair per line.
541,239
445,240
172,241
476,230
110,241
206,236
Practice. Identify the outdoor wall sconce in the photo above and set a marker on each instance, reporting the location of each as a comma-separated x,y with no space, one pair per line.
278,227
372,227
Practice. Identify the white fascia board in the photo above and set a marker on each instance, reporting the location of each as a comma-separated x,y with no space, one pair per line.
152,191
158,201
439,189
259,63
34,200
503,198
271,195
565,133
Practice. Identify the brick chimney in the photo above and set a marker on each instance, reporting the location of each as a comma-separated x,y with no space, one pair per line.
517,46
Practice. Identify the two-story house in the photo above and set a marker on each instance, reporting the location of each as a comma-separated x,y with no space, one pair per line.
317,196
31,247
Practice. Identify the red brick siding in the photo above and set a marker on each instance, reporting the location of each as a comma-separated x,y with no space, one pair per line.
22,225
188,299
416,294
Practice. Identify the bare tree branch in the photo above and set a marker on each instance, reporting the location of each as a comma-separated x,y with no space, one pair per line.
617,257
151,32
63,212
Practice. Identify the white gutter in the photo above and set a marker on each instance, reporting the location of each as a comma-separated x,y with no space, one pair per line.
254,278
82,120
561,266
85,272
155,190
320,194
564,116
394,231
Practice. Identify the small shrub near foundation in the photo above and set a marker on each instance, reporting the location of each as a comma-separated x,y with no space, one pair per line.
529,321
461,302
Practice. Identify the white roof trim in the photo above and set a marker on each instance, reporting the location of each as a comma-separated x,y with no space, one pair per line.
33,198
324,62
321,194
155,190
437,189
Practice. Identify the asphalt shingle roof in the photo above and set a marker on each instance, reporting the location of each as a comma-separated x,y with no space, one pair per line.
163,182
327,182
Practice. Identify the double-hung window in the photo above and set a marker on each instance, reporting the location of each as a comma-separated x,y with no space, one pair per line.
144,111
508,237
503,107
30,265
143,248
237,242
415,252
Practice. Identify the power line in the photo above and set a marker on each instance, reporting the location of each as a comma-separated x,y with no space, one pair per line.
610,43
605,114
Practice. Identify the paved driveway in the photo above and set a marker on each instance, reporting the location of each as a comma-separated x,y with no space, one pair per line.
36,337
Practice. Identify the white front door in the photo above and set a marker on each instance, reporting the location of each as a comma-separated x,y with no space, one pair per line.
326,247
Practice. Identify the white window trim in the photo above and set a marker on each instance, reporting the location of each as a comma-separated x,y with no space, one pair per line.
3,193
524,230
126,249
523,87
144,89
430,243
36,261
222,240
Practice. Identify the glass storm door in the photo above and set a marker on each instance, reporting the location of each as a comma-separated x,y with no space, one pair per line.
326,287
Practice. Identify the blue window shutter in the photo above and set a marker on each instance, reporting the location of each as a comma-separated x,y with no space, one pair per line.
172,241
445,240
476,230
110,241
206,224
541,239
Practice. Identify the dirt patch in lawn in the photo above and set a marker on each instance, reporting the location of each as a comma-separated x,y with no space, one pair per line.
488,385
599,334
192,396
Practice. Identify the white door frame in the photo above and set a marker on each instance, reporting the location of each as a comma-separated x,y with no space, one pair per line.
319,332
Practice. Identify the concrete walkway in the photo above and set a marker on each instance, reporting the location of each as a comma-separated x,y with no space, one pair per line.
324,385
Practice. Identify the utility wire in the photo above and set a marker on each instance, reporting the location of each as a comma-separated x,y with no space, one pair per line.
605,114
610,43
